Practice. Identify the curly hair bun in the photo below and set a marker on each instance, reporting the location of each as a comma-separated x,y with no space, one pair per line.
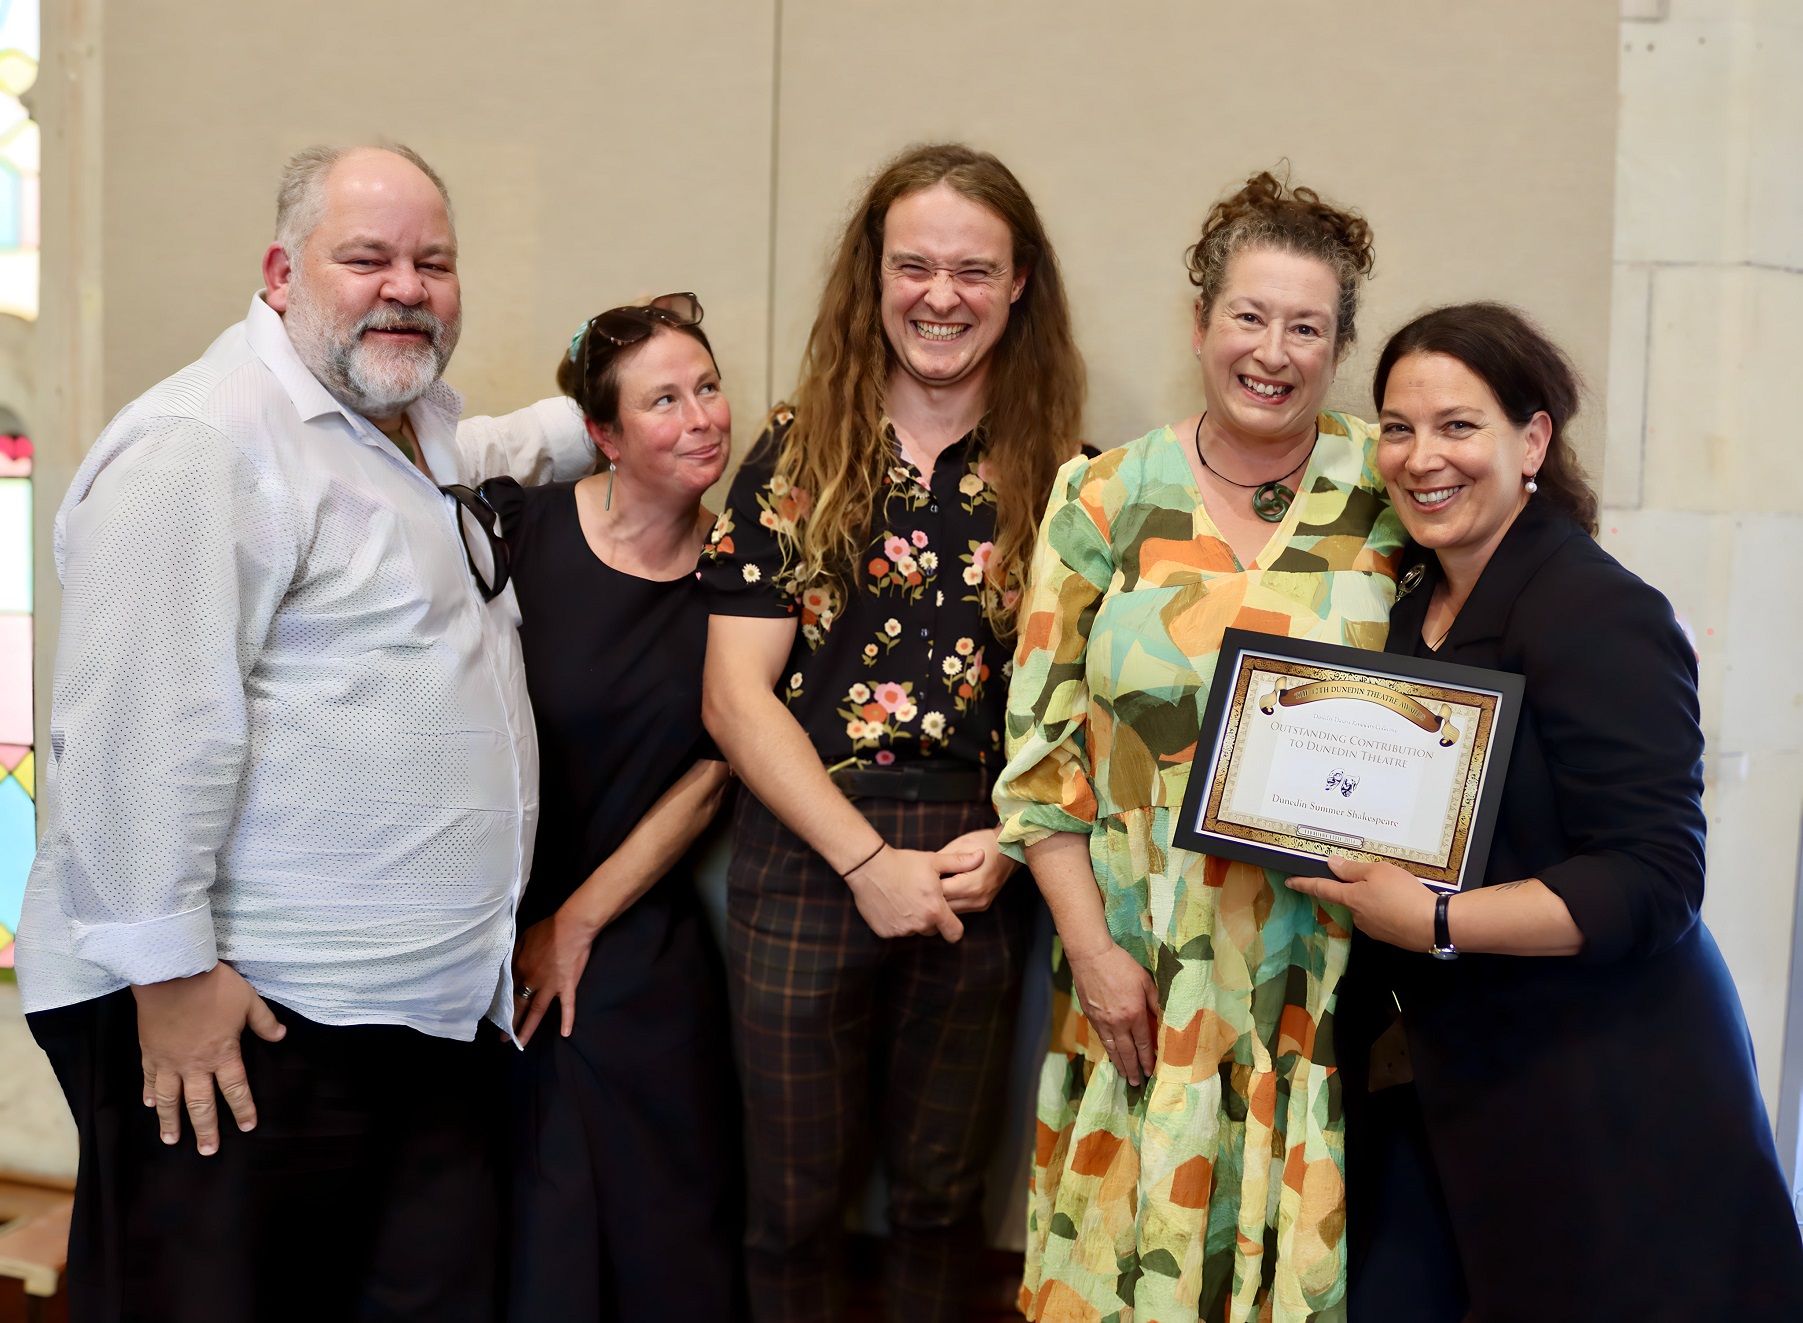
1269,213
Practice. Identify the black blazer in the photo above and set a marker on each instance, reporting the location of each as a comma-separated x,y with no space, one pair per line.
1595,1121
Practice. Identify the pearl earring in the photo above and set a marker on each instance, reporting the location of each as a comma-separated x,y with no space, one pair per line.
1532,486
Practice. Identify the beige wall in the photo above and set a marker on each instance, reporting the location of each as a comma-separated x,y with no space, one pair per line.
601,150
1477,137
593,151
1702,491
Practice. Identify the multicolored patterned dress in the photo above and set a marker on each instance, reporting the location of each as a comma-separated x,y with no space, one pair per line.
1214,1191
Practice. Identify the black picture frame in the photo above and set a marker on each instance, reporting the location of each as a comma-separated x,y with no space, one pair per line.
1229,695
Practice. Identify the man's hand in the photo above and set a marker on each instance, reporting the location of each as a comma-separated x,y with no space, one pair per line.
1120,1001
973,890
1386,902
901,893
549,959
188,1031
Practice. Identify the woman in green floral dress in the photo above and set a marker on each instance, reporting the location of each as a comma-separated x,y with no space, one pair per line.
1189,1163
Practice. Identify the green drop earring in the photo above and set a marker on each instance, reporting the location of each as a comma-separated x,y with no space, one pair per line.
610,486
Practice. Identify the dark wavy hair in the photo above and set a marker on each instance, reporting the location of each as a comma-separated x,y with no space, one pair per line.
1525,371
1268,213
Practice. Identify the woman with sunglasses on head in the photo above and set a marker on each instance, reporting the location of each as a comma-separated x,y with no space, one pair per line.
626,1162
1557,1118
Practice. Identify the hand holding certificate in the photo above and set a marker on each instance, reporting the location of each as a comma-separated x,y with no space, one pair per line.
1311,749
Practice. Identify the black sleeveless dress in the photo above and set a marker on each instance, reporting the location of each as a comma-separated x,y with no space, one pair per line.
626,1187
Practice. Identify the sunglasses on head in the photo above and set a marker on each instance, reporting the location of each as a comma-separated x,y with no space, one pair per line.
629,325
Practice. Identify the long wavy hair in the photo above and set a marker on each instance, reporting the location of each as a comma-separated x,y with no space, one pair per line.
836,451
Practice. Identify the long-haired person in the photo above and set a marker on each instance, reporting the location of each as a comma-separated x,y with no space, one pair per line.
863,578
1561,1121
626,1193
1189,1156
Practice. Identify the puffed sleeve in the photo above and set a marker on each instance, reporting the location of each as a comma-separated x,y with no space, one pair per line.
1046,786
1612,686
742,566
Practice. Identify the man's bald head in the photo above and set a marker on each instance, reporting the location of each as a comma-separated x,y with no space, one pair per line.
300,202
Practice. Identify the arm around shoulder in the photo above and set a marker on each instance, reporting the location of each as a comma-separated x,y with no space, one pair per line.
544,442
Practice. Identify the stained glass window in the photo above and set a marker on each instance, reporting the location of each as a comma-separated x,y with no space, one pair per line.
18,160
19,298
18,814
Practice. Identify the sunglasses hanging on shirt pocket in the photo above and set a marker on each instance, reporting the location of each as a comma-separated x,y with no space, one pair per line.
474,509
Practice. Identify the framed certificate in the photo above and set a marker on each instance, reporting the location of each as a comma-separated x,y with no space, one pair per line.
1311,749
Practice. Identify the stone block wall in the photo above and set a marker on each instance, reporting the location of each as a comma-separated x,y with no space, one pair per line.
1702,483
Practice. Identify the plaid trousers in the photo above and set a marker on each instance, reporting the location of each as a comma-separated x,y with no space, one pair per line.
849,1043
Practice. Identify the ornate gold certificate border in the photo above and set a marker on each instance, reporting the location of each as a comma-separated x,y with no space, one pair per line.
1463,809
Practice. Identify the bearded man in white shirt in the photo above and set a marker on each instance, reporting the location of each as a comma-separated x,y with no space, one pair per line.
291,794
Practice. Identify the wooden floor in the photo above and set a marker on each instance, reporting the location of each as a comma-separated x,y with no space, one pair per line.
992,1294
34,1233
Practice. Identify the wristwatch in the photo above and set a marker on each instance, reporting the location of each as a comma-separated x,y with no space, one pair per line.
1442,949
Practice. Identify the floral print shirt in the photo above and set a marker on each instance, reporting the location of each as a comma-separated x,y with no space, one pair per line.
900,664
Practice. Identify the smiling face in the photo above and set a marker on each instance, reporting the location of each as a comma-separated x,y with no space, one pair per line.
948,282
1454,463
674,431
372,302
1267,344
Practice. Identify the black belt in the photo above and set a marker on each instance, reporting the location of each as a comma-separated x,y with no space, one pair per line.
934,781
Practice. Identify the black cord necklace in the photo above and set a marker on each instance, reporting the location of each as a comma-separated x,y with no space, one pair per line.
1270,500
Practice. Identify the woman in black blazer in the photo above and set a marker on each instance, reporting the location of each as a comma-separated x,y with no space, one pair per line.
1562,1122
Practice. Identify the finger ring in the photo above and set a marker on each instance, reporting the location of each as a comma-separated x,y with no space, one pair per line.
525,993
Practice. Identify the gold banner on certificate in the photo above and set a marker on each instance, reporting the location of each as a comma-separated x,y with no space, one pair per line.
1401,704
1346,752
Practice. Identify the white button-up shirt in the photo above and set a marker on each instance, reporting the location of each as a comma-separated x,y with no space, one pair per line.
286,731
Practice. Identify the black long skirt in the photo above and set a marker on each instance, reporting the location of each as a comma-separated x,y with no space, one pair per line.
627,1189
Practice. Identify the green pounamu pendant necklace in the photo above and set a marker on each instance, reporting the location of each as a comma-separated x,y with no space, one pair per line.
1270,500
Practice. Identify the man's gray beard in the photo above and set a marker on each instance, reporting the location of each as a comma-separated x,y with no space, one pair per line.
377,383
